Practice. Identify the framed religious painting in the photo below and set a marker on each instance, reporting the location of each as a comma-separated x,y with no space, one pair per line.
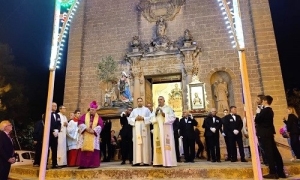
196,96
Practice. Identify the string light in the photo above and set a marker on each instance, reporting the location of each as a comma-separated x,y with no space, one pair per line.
68,9
233,21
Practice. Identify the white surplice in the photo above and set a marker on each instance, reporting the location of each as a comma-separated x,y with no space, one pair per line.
141,135
163,136
72,135
62,142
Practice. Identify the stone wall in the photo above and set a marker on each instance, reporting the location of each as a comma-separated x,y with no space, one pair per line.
106,27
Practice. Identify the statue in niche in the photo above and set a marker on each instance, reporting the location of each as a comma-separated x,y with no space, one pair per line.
161,42
124,88
221,94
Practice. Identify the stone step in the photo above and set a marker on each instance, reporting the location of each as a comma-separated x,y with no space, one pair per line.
113,170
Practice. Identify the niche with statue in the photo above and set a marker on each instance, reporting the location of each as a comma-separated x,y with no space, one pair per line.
222,90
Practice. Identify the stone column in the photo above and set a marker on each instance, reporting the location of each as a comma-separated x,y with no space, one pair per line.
189,74
136,89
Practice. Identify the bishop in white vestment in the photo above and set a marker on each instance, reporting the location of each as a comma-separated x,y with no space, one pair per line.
62,138
163,138
139,119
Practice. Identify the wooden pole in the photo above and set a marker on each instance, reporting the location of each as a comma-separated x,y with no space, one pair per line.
53,60
45,148
256,166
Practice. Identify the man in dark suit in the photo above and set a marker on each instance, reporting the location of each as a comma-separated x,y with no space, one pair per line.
265,133
54,129
186,126
105,137
38,133
212,125
233,125
126,136
176,136
260,143
225,112
6,149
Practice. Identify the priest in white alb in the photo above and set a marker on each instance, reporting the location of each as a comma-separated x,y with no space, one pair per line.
139,119
163,139
62,138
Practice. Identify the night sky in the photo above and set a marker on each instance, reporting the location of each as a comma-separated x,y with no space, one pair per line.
26,26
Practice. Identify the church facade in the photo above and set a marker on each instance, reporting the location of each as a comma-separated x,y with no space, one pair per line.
184,41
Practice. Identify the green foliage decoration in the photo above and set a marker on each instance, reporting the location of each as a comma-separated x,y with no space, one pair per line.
106,69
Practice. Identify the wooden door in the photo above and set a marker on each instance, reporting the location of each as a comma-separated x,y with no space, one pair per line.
148,92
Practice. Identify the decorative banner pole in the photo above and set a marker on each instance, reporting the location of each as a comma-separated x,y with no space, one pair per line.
232,17
60,29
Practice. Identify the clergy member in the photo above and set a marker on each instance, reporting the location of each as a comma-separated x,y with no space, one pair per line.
90,126
72,139
62,138
139,119
164,146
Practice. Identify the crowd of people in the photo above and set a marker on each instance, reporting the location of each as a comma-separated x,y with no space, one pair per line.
151,137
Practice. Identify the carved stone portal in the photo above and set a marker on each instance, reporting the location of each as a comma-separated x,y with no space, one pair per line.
152,10
162,58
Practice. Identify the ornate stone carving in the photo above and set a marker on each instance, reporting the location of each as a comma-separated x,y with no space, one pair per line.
195,69
161,42
187,35
152,10
135,44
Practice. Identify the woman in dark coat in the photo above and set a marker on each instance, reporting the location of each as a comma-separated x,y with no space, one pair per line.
292,125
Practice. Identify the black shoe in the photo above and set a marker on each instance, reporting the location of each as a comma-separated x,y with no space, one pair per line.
271,176
233,160
55,167
186,161
146,165
282,175
123,162
213,161
244,160
227,159
208,159
106,160
80,167
138,164
192,161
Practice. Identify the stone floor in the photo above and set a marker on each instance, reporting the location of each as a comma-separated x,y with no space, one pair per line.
115,171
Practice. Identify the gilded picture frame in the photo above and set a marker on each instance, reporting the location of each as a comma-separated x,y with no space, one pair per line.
196,96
